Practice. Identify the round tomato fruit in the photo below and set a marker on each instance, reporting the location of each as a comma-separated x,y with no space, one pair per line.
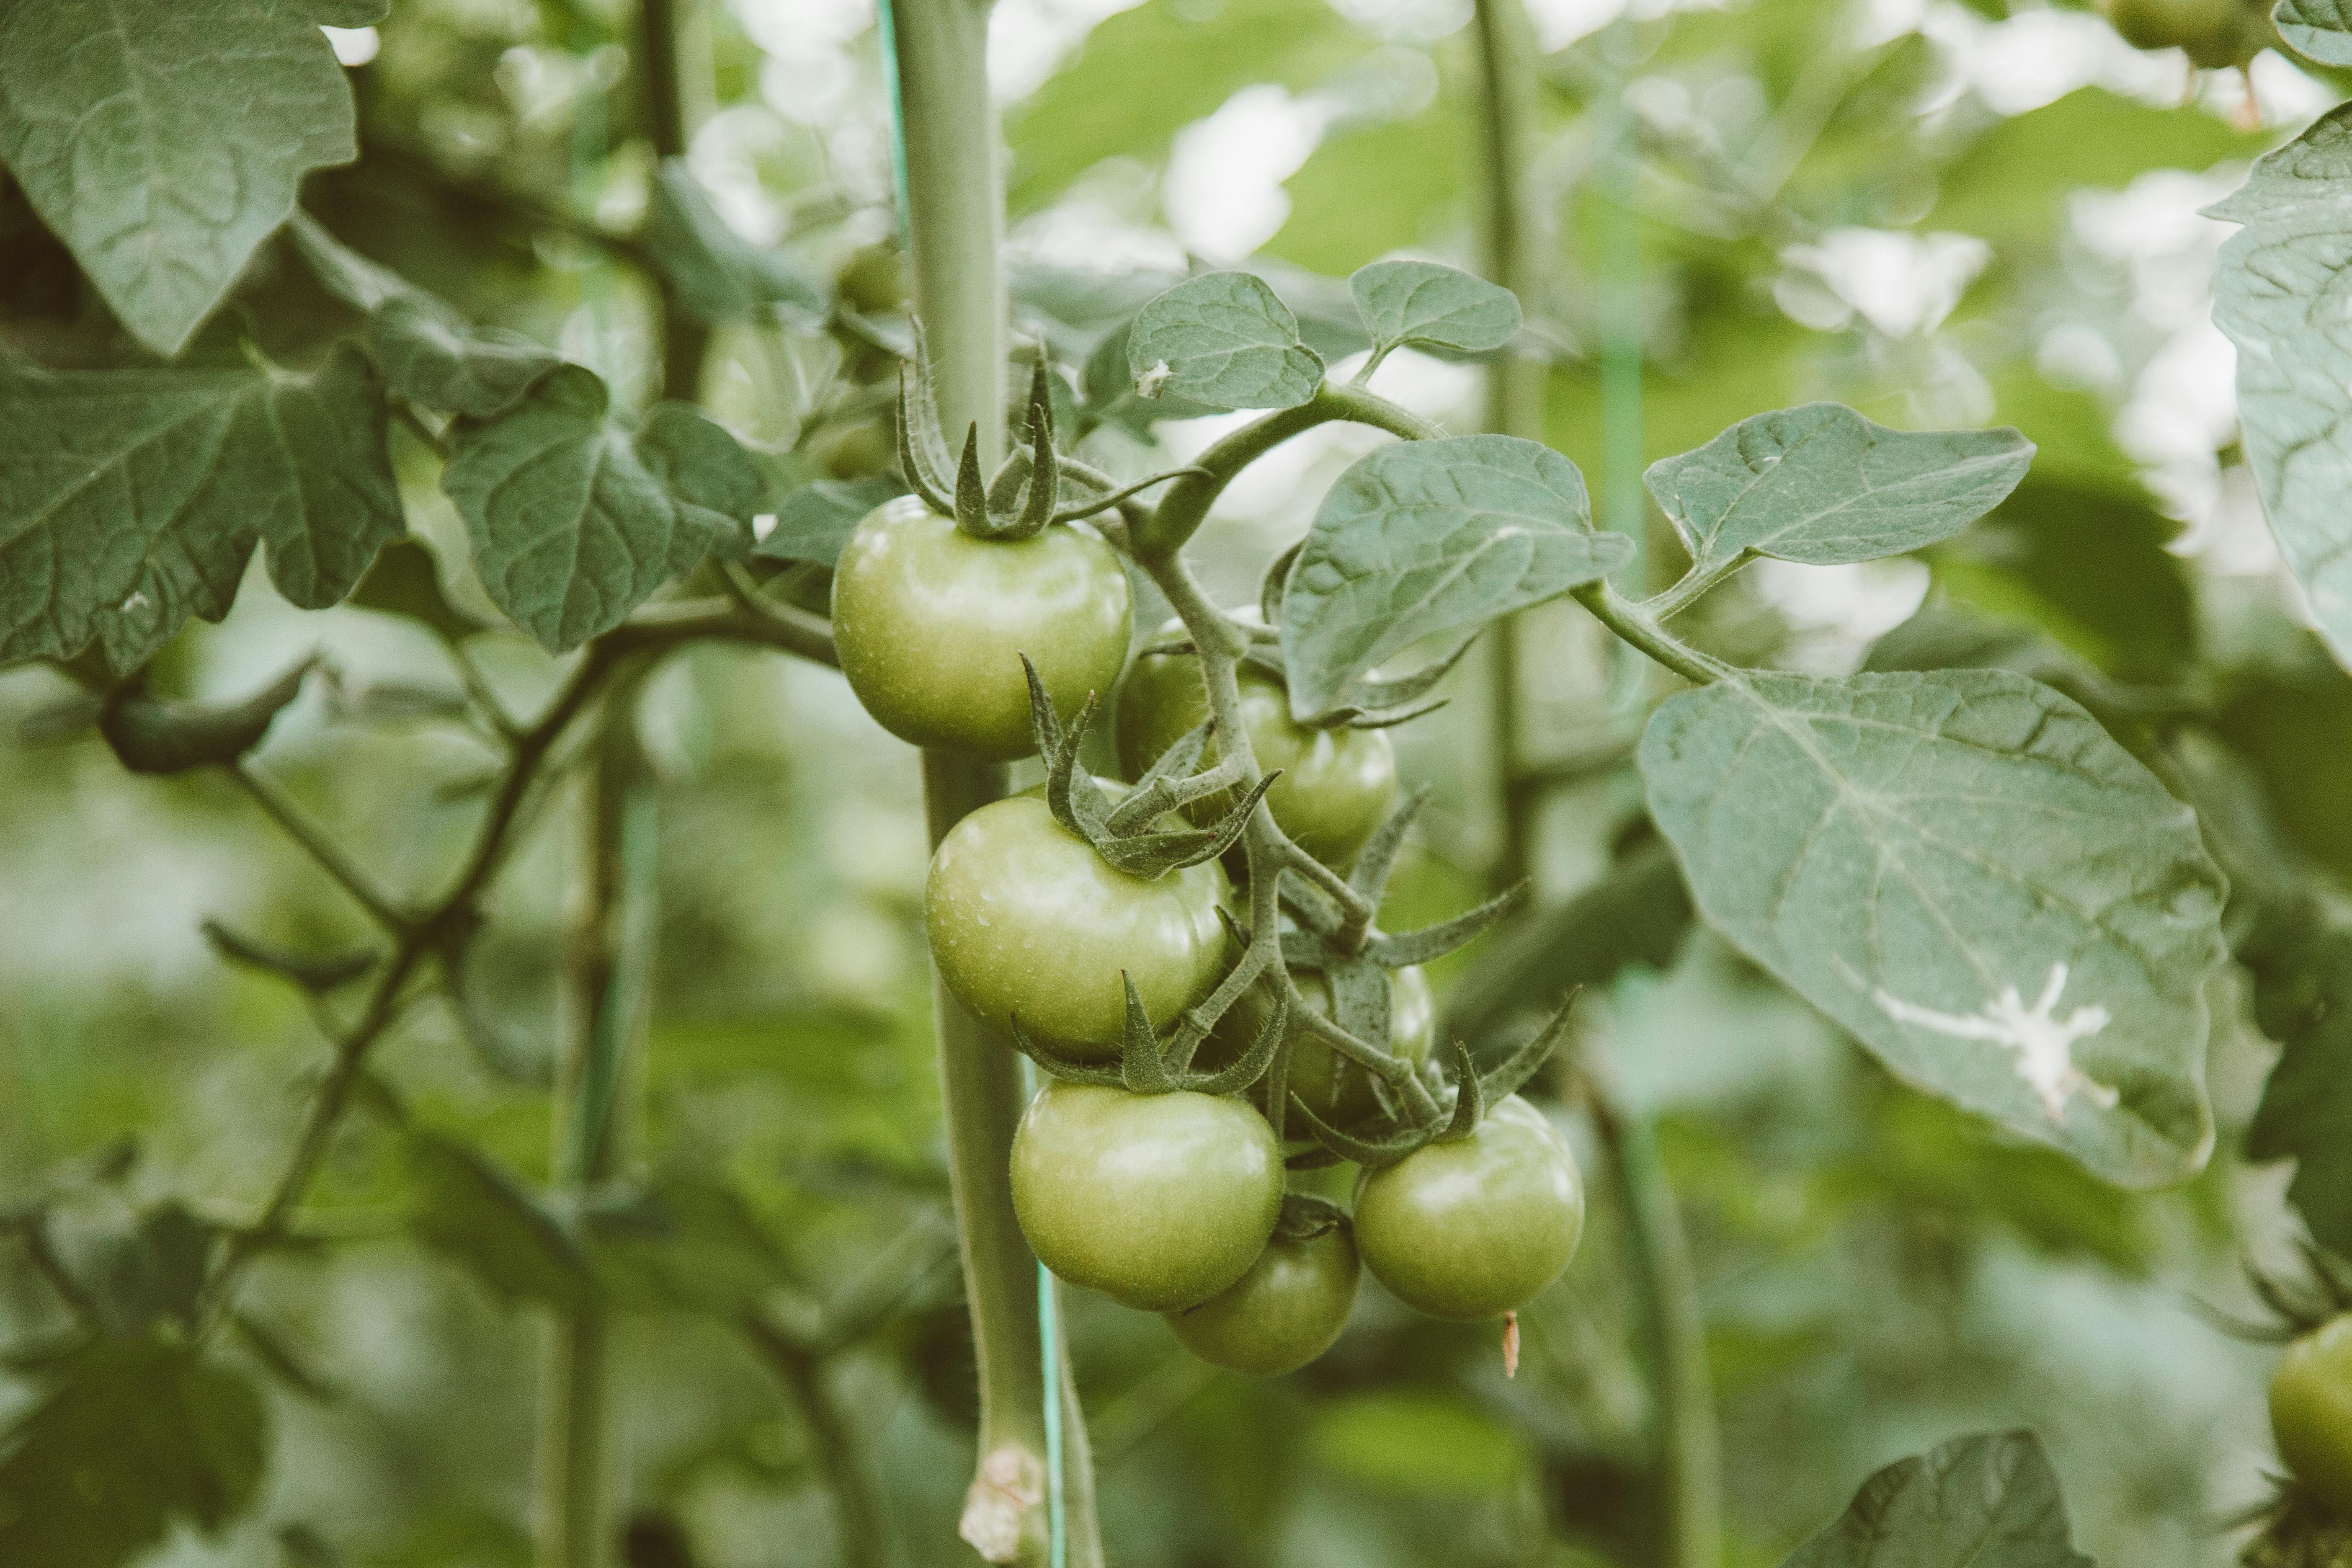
2311,1413
2213,33
1280,1315
930,624
1159,1201
1335,1089
1473,1228
1026,919
1337,785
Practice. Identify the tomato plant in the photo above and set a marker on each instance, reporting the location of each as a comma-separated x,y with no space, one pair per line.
1284,1312
2311,1413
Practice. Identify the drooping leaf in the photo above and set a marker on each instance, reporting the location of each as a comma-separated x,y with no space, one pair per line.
1968,873
1222,340
1984,1501
153,735
576,519
1821,484
429,353
1432,536
480,1217
714,273
139,1435
2280,276
1423,303
815,522
162,140
132,500
2317,29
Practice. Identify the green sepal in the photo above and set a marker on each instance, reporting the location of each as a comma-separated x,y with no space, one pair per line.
1469,1099
1368,1154
151,735
1069,1070
1141,1064
317,974
917,433
1259,1059
1361,996
1383,704
1377,858
1521,1065
1304,1216
1435,941
971,490
1155,794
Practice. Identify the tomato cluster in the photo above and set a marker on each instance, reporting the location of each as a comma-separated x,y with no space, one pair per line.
1157,1193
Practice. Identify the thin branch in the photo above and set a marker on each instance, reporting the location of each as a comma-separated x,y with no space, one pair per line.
289,814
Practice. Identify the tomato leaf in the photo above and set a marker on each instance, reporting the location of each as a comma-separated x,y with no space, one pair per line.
1424,537
2318,29
1821,484
688,1242
1423,303
480,1217
138,1435
714,273
164,145
2302,971
427,352
1222,340
815,522
407,580
2295,406
132,500
576,519
151,736
1984,1501
1966,872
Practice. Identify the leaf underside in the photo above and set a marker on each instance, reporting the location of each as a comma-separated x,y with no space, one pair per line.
1985,1501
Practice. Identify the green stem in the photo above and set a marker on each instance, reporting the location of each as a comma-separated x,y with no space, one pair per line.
860,1519
953,198
674,50
271,796
1667,1292
1633,624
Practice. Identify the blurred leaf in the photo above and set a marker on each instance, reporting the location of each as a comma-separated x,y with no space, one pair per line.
1421,303
1822,485
2300,960
2072,430
429,353
154,1274
132,500
1369,190
2007,187
407,580
479,1215
1080,307
1916,855
150,735
1145,73
460,1535
1987,1501
815,522
1422,537
686,1241
2295,727
165,146
2088,565
1222,340
715,274
2318,29
141,1434
2295,392
316,972
576,519
1416,1443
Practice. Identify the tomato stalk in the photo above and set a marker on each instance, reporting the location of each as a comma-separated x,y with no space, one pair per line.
953,201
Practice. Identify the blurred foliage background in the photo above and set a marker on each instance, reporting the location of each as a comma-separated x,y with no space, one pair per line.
1943,215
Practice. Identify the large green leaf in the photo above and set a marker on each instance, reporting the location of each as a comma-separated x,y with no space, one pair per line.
1423,303
1966,871
1145,73
427,352
132,500
163,140
2301,970
1224,341
141,1434
576,519
714,273
1985,1501
1822,485
2319,29
2279,298
1424,537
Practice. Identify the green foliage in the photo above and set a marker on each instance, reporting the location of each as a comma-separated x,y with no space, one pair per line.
131,501
465,1206
714,273
576,518
1426,537
1916,855
165,148
814,521
2302,969
1975,1502
1420,303
1222,340
1369,190
2317,29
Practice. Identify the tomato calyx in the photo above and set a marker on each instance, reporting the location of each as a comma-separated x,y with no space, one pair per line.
1473,1092
1145,1064
1125,835
1305,1217
1023,498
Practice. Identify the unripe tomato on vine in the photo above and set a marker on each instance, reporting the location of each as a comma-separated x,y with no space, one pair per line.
1335,1089
2311,1414
1290,1306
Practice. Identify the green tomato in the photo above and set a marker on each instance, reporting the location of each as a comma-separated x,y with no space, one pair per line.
1334,1087
930,624
2208,29
1337,785
1159,1201
2311,1414
1473,1228
1025,918
1280,1315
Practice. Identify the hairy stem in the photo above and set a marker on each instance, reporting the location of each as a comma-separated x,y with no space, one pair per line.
1635,626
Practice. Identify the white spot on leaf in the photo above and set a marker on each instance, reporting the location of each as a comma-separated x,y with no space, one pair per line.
1148,385
2043,1041
762,524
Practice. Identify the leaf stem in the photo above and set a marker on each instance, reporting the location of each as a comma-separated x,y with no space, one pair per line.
288,814
1634,625
1693,585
